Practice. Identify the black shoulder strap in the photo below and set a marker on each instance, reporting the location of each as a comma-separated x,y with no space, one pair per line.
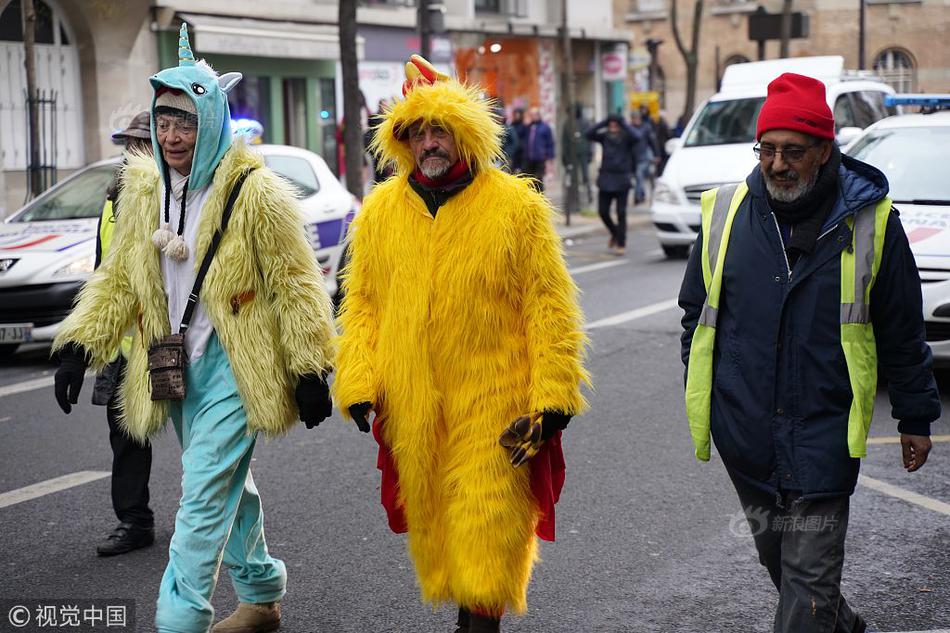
212,249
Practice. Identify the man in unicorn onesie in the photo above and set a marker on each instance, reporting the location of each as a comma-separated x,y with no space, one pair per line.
258,345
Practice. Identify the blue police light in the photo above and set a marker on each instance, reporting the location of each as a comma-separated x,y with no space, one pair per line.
324,114
923,100
249,128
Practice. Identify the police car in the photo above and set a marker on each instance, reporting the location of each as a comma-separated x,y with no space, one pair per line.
913,151
47,248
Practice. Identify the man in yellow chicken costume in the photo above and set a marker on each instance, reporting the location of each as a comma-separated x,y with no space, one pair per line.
459,317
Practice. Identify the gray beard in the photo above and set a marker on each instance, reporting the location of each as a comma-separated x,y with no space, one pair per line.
800,190
435,171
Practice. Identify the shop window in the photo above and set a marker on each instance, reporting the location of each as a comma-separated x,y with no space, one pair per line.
295,112
250,99
896,67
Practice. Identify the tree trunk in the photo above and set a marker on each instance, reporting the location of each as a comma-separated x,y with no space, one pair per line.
691,56
786,33
29,39
352,124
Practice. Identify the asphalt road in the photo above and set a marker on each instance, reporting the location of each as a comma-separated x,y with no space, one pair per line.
649,540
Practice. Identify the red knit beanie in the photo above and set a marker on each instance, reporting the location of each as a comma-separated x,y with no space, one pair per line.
796,102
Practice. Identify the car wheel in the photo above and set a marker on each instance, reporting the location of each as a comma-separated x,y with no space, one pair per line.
6,351
679,251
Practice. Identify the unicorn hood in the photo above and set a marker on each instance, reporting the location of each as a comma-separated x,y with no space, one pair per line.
208,91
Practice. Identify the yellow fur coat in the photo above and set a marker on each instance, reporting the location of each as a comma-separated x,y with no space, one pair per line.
264,294
453,327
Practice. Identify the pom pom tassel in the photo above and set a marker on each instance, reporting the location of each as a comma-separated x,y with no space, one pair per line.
162,236
176,250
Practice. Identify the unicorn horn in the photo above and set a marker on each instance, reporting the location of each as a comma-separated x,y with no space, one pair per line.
185,56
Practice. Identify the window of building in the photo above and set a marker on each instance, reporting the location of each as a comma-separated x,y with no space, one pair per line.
735,59
11,23
896,67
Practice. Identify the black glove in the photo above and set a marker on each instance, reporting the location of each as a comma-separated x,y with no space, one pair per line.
552,422
69,376
313,399
360,413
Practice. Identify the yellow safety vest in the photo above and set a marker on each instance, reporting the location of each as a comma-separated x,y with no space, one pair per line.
860,262
106,231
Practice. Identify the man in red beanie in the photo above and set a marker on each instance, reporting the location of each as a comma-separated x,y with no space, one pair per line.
800,286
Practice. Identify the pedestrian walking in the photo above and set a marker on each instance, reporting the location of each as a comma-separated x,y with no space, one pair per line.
582,149
131,458
539,148
448,349
212,240
800,286
510,142
619,142
520,127
645,153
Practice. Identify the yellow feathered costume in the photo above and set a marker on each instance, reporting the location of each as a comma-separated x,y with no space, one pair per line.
264,294
452,327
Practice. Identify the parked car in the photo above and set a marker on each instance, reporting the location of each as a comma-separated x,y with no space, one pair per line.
913,151
716,145
47,248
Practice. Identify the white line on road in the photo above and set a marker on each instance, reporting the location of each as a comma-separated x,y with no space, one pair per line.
905,495
599,266
930,631
30,385
50,486
633,315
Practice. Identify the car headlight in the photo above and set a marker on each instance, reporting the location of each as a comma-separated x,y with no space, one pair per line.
665,194
83,266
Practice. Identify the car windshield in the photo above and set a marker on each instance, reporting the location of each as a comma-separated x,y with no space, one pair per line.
296,170
722,122
77,198
914,159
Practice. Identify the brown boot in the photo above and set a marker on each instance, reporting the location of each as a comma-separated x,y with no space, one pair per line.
483,624
251,618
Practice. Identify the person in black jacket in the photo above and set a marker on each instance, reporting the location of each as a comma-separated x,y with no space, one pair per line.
619,141
781,392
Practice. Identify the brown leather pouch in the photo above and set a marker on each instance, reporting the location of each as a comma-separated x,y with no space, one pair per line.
166,368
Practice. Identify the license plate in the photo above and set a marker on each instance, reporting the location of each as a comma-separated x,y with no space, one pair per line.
16,333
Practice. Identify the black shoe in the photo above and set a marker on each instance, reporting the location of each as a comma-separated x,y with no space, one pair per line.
463,621
125,538
482,624
860,626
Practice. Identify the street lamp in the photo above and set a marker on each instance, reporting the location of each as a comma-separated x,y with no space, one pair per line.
861,34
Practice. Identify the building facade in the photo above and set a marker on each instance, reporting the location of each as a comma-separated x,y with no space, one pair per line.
906,41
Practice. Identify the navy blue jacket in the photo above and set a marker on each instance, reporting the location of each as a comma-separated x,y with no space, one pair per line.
617,159
781,394
538,142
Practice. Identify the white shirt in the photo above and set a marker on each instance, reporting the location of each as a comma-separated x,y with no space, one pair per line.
179,277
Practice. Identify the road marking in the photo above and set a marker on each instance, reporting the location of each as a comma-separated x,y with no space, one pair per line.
905,495
633,315
930,631
896,439
30,385
599,266
6,419
50,486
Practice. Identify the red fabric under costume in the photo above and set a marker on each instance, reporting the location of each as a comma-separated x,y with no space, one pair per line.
547,479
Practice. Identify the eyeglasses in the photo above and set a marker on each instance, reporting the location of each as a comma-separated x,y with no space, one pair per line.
791,153
165,124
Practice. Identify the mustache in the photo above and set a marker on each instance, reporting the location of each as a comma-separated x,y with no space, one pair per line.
788,174
435,152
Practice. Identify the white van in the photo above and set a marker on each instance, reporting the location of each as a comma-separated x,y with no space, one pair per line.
716,146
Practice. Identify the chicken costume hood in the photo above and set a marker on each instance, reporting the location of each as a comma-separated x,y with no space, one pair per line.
433,98
453,325
209,92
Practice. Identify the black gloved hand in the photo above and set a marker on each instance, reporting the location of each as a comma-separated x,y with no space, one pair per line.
360,414
552,422
68,379
313,399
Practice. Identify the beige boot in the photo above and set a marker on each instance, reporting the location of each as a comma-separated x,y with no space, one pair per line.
251,618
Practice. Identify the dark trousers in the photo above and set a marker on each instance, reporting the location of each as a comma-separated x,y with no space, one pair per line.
801,544
535,169
131,461
617,231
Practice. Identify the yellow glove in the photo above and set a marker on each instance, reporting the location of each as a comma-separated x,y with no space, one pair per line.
523,438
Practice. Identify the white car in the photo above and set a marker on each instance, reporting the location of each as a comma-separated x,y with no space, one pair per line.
47,248
716,145
913,151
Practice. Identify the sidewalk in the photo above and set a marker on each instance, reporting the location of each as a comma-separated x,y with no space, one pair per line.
587,221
